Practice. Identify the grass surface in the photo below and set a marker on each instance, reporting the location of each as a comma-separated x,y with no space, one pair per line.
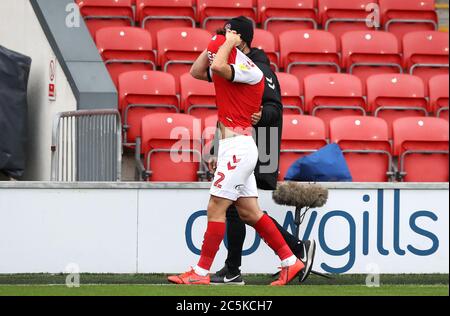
249,290
250,279
156,285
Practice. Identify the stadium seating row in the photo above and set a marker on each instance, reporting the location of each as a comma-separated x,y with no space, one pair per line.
336,16
364,53
419,152
137,37
389,96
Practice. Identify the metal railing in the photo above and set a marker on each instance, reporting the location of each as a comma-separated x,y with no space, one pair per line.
87,146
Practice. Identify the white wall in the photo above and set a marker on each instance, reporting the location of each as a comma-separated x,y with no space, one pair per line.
119,228
20,31
94,229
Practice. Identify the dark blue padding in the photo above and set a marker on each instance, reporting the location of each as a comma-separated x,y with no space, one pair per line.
326,165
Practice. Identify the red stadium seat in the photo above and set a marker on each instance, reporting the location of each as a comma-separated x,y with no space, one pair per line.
266,41
332,95
178,48
142,93
367,53
425,54
279,16
302,135
365,144
198,98
439,96
341,16
404,16
171,147
156,15
421,143
290,93
125,49
393,96
213,14
308,52
106,13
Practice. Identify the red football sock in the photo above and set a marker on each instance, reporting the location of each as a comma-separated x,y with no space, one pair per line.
213,237
272,236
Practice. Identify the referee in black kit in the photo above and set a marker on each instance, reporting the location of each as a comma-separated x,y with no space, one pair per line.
270,117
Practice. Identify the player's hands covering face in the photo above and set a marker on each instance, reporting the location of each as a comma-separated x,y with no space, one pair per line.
233,38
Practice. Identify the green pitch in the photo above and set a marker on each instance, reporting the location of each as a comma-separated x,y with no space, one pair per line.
156,285
249,290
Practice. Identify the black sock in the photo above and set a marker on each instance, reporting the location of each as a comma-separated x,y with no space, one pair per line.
236,237
292,241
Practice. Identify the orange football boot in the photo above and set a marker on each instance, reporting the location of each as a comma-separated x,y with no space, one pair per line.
189,277
288,273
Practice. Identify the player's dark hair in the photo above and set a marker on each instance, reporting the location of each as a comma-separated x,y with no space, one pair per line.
221,31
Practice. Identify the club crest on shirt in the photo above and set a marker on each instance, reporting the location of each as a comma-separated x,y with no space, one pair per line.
247,65
244,67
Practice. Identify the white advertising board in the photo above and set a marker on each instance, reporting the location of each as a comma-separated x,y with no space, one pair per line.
358,231
126,229
50,230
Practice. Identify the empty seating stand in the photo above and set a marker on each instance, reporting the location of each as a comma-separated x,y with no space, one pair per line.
332,95
339,17
421,144
156,15
366,147
393,96
394,70
425,54
142,93
279,16
125,49
290,93
213,14
302,135
438,87
170,148
198,98
404,16
105,13
178,48
367,53
308,52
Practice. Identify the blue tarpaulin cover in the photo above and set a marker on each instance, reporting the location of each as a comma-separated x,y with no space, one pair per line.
326,165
